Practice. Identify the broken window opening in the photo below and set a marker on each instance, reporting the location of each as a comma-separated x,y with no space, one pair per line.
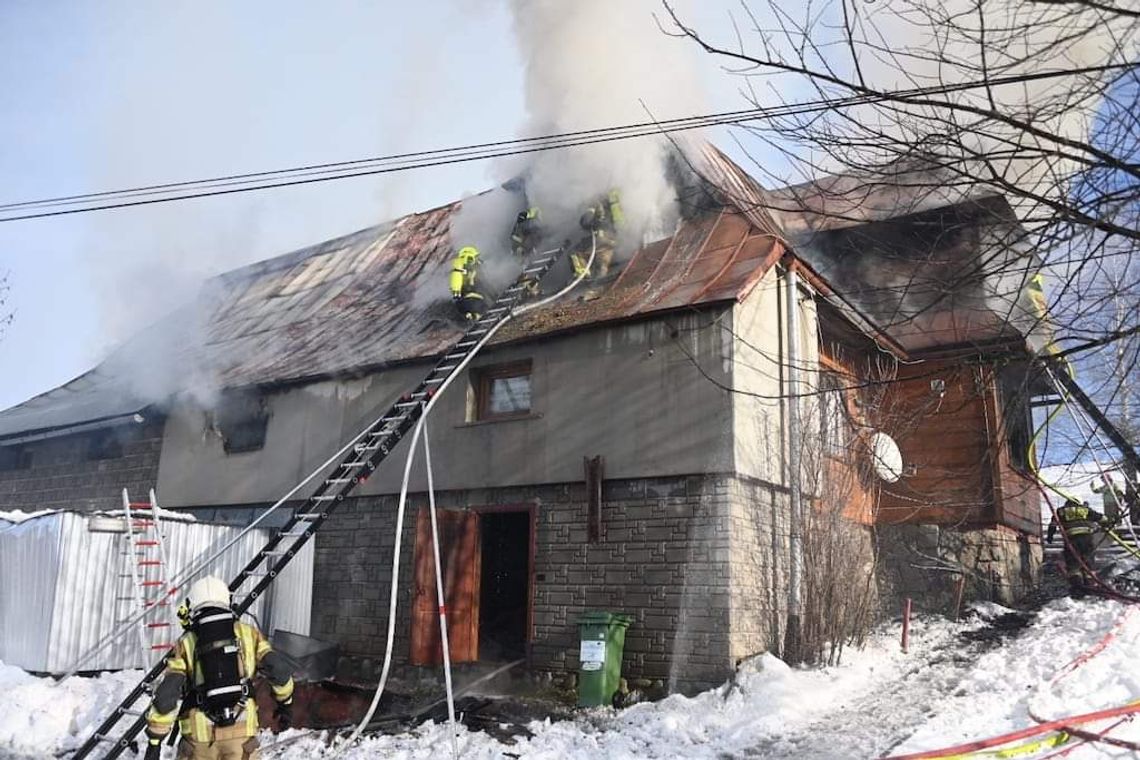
103,445
14,458
241,419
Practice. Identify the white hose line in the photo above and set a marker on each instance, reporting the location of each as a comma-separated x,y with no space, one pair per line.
440,598
392,602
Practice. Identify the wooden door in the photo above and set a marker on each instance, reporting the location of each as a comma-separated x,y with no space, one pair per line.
460,555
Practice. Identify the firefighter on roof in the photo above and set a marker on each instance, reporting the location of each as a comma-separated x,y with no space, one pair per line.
210,671
524,240
1078,522
525,233
463,282
603,219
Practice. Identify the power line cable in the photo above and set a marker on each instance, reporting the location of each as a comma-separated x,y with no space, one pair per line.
235,183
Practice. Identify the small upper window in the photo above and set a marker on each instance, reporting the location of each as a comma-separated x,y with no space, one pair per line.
835,423
241,419
14,458
104,444
502,392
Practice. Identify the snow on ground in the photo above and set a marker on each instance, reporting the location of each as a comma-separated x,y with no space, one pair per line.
946,690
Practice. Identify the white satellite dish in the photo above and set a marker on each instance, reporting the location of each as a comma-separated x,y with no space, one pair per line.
886,457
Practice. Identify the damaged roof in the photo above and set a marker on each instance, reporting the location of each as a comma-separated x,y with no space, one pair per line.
379,296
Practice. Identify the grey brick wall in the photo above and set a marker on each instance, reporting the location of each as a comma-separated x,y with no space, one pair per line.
61,475
664,558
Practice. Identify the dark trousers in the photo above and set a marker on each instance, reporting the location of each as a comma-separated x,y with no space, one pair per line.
1078,555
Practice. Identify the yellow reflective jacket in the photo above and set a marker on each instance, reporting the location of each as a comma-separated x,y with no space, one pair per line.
462,278
193,723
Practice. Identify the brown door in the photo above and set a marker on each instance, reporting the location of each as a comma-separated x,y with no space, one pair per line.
459,552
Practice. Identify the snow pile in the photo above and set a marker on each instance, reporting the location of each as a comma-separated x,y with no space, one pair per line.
947,690
1006,683
40,717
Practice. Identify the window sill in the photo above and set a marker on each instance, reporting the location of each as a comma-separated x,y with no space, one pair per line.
497,420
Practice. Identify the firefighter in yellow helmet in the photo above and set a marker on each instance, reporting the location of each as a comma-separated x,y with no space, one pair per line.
463,282
602,218
210,671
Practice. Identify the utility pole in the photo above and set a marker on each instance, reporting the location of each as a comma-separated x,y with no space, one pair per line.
795,516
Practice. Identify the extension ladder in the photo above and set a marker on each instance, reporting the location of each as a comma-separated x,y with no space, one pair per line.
146,550
358,464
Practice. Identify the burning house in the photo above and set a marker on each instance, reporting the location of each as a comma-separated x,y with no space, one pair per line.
635,451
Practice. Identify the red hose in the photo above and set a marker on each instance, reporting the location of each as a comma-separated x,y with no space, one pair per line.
995,741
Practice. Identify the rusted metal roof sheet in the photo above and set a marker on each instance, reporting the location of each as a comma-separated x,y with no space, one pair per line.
379,296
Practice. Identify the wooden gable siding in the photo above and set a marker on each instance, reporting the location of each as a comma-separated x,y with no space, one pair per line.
1017,500
949,443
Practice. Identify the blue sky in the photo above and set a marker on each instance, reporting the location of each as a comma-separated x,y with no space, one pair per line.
98,96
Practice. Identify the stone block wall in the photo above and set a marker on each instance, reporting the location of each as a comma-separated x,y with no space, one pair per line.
761,552
925,562
62,475
664,557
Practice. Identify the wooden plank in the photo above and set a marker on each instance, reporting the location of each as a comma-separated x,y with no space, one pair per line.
460,555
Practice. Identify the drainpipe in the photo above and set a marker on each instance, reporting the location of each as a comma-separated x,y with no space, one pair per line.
795,571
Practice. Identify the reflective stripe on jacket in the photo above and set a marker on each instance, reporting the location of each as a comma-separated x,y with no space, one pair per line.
192,722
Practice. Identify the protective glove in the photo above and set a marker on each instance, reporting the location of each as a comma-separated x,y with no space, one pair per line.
283,713
153,749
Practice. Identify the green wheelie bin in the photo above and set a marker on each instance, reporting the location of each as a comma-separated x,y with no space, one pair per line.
600,652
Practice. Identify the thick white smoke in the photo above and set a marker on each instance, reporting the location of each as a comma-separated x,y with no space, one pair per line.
598,63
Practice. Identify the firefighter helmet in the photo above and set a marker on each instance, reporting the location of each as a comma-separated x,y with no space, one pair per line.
210,591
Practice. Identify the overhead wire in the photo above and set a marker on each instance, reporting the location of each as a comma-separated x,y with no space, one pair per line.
322,172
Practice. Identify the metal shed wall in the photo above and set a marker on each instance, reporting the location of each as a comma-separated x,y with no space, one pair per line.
63,589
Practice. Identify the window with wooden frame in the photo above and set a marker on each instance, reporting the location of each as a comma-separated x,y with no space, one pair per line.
502,392
835,422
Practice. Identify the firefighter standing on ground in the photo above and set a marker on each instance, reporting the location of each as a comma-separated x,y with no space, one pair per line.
603,219
1078,522
1112,498
210,671
463,282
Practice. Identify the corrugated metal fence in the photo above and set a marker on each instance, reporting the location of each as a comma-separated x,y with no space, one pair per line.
64,588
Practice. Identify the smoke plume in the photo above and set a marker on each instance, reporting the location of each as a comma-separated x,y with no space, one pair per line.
591,64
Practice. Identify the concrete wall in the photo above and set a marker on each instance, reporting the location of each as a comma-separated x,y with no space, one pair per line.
62,476
760,372
627,392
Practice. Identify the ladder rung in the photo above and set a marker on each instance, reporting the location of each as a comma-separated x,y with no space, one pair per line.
447,368
357,463
147,542
151,583
291,534
149,562
456,355
158,625
133,713
307,516
339,481
324,497
277,553
161,646
406,404
435,380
